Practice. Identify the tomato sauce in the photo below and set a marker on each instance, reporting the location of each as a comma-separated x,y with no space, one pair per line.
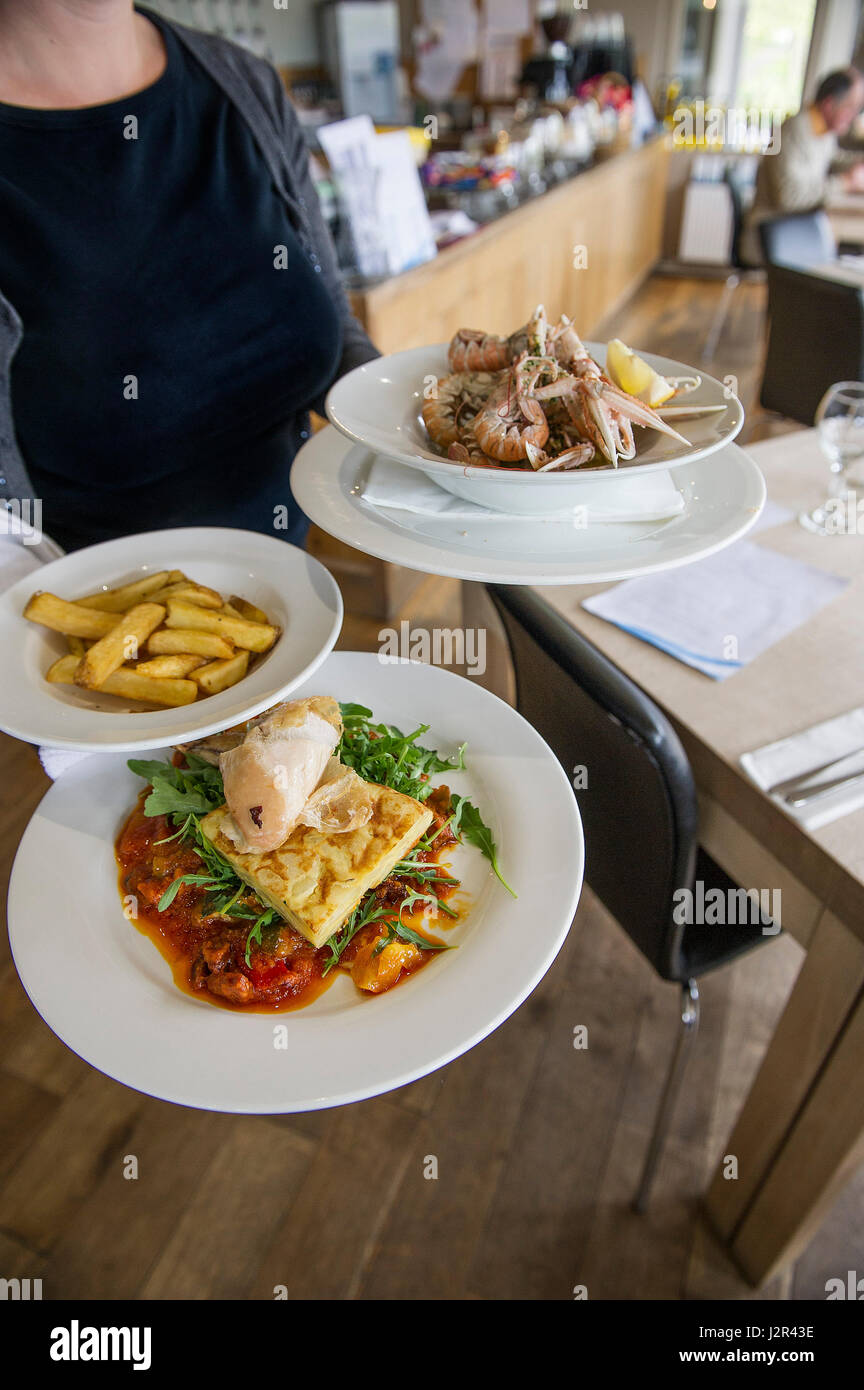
207,952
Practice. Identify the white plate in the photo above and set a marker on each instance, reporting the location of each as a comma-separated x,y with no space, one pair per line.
106,991
723,494
293,588
379,404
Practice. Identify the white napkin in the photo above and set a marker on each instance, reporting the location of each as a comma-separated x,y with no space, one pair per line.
18,557
58,760
720,613
645,497
804,752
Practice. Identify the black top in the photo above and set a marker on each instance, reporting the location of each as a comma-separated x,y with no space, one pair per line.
175,332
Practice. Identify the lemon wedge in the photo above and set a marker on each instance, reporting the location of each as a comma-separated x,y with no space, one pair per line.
633,375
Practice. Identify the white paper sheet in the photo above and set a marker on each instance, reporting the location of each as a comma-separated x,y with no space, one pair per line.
382,195
512,17
403,218
350,148
500,68
449,30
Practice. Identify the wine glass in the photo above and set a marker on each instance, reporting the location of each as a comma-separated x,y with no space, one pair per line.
840,421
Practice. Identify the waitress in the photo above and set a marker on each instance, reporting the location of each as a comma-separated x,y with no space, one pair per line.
170,302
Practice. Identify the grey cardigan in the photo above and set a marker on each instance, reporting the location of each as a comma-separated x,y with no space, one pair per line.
256,90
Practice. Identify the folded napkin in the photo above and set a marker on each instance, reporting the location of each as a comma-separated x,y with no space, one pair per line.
720,613
804,752
645,497
56,761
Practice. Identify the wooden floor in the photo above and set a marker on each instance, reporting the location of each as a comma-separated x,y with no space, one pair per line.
673,315
538,1144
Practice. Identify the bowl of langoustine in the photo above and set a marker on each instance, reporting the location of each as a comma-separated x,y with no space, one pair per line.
526,422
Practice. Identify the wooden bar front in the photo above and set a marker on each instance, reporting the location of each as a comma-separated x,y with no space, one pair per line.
581,249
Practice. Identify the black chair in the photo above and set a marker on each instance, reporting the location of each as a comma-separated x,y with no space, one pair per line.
815,338
638,809
798,239
741,268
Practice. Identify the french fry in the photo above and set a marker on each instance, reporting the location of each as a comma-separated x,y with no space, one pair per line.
170,666
69,618
190,634
121,644
195,593
119,600
182,641
247,610
62,671
129,684
219,675
255,637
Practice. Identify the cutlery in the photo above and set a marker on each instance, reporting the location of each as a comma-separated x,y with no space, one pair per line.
799,781
822,789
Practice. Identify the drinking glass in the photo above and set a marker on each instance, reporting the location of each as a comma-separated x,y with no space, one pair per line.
840,421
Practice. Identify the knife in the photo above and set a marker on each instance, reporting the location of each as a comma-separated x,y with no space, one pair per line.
801,779
801,798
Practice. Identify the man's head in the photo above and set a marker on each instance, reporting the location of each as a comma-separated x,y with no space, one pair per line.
839,98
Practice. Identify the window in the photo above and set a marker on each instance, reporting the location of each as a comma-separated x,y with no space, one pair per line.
773,59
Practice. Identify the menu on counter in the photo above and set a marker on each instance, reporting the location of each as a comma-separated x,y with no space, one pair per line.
381,194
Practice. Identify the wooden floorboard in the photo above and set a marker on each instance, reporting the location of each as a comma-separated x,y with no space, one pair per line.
538,1144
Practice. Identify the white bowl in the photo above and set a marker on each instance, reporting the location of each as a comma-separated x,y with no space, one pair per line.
294,590
379,405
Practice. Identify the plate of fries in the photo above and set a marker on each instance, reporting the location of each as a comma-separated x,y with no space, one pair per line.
162,636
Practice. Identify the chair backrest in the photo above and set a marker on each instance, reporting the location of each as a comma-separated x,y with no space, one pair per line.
799,239
638,802
816,337
737,215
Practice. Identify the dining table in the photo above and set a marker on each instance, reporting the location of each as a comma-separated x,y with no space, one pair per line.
799,1135
845,209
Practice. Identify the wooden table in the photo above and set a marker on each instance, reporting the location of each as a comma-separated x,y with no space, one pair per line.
800,1134
849,271
846,214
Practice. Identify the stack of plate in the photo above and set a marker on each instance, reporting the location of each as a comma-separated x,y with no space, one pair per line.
376,483
101,985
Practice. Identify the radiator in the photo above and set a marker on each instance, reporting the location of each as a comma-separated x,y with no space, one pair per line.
706,226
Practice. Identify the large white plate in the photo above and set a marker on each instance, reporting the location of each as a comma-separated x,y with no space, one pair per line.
723,494
379,404
106,991
292,587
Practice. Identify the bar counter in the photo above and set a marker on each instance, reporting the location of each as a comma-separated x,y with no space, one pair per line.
582,248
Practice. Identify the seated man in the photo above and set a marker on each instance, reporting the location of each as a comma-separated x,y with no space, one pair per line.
794,179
